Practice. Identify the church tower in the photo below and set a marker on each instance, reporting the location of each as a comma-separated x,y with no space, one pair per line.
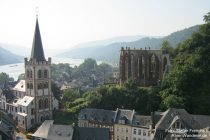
38,79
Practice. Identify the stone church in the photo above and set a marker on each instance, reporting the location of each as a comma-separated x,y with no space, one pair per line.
147,67
32,100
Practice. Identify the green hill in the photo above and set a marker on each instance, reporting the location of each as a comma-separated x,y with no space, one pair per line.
111,52
6,57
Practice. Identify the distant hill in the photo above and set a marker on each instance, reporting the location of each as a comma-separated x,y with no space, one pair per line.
6,57
110,52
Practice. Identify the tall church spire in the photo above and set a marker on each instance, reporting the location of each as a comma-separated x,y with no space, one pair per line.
37,51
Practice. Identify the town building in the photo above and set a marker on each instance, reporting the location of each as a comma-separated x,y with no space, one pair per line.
141,127
123,124
146,67
97,118
31,101
7,127
50,131
178,124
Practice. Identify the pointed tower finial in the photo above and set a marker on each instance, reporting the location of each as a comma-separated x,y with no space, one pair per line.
37,11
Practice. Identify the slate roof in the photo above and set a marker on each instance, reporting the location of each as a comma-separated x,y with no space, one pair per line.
60,132
203,120
170,116
8,94
100,115
84,133
37,51
123,114
182,114
140,120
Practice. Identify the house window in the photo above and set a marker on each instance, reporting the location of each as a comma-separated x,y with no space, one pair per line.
144,133
126,138
134,131
139,132
23,122
126,130
134,138
20,109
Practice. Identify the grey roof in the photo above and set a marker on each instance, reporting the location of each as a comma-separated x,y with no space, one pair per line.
171,114
123,114
37,51
8,94
84,133
203,120
99,115
140,120
60,132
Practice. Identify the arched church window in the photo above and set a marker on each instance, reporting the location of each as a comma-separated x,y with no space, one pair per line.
31,75
164,63
126,67
28,74
142,66
42,118
45,74
40,104
132,66
28,85
46,85
31,86
46,103
40,86
153,65
47,117
39,74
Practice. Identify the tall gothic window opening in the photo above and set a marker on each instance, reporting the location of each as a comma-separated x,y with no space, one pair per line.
40,104
164,63
46,103
31,86
138,65
142,66
45,74
126,67
39,74
31,74
28,74
153,66
132,66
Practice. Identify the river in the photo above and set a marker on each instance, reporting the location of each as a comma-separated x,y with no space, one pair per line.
14,70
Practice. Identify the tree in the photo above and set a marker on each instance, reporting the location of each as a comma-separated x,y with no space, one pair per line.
167,46
188,84
206,17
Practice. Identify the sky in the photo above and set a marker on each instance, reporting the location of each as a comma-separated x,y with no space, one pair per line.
66,23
